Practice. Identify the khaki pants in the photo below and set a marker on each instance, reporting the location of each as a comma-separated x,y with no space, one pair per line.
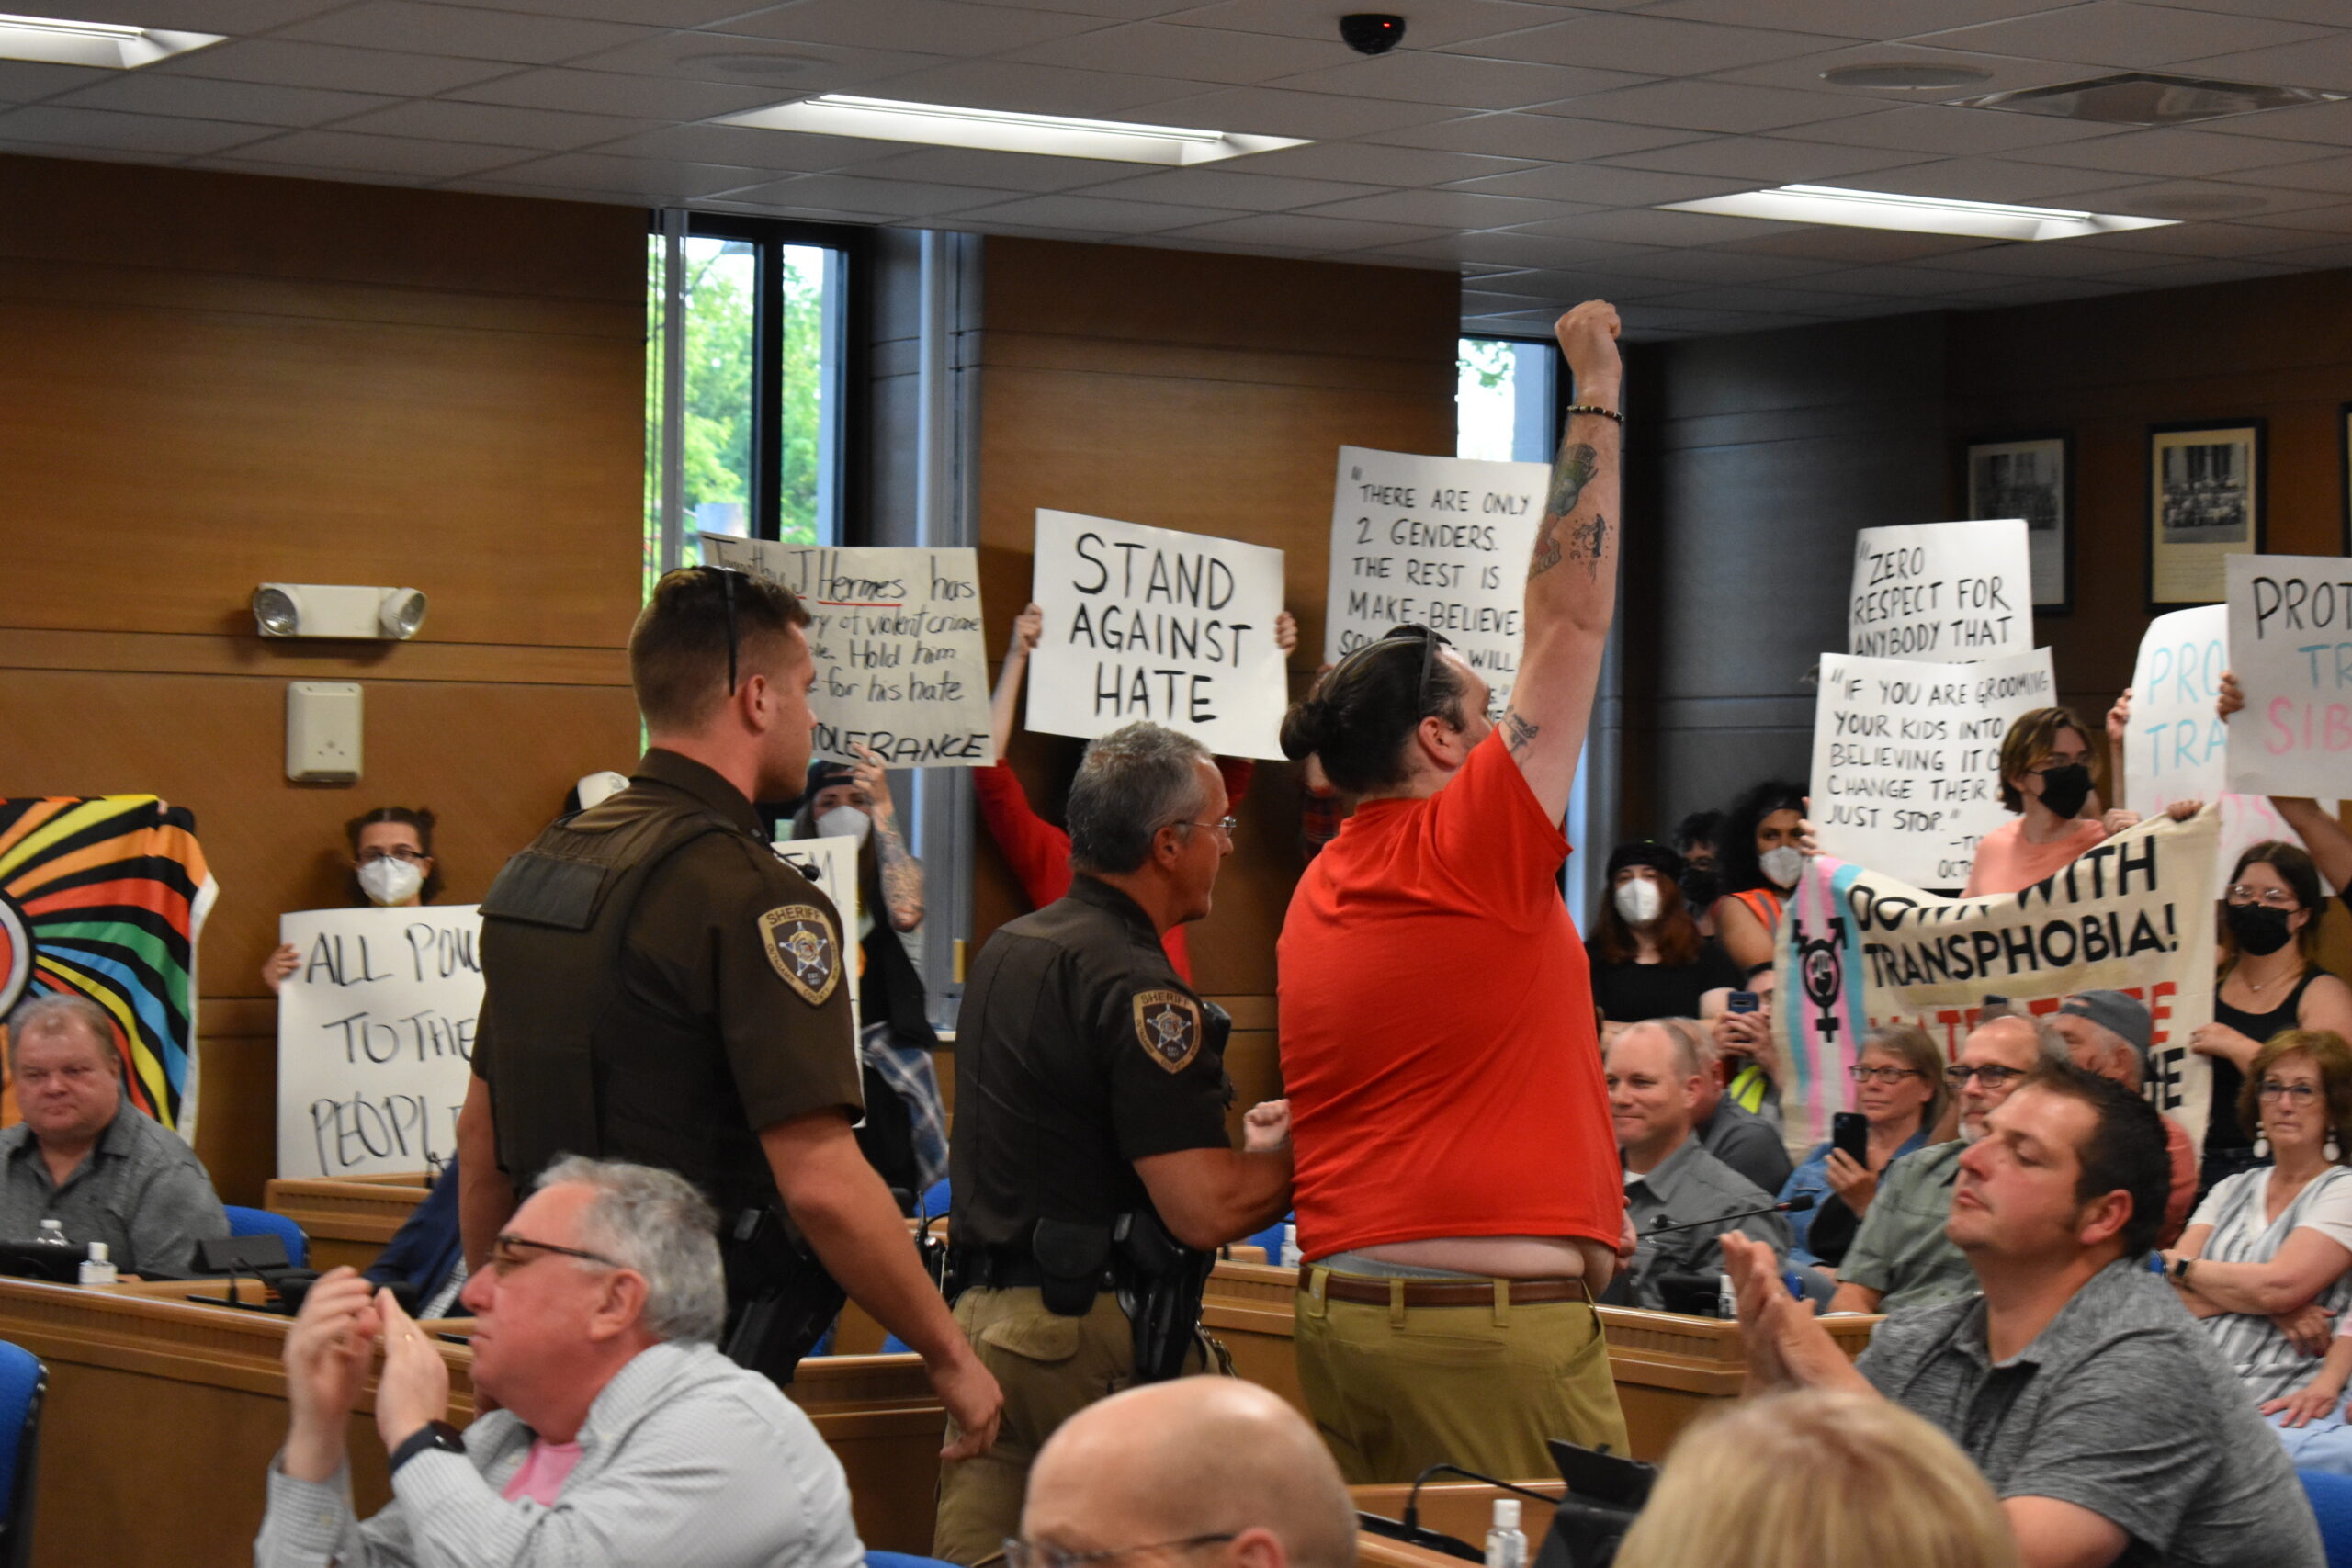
1050,1368
1397,1389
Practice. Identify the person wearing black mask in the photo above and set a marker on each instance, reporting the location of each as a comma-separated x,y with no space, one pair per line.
2046,779
1695,837
2270,982
1648,959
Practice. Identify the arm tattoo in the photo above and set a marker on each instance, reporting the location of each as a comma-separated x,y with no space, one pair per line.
901,876
1519,734
1589,541
1575,469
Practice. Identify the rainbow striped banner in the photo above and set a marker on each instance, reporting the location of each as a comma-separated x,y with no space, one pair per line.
105,897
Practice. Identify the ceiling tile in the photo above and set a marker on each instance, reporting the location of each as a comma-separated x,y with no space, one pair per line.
1849,246
1714,106
771,68
1534,137
2331,220
1982,179
2325,13
1321,235
495,125
888,198
465,31
2124,35
996,170
1764,160
66,130
939,27
1195,54
1097,216
2202,200
2315,258
1603,185
1640,226
655,181
2325,62
201,98
609,91
24,82
1876,19
1520,248
236,18
1908,283
2191,274
381,154
2001,73
2200,240
2323,174
1432,27
2050,293
1642,44
666,13
2327,124
1459,81
1040,89
1218,186
1748,297
1380,163
742,146
2177,151
1445,206
1719,265
1937,127
1276,111
293,64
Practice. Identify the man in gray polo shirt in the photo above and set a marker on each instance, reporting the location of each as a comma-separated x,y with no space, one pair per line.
103,1169
1900,1258
2107,1422
1654,1075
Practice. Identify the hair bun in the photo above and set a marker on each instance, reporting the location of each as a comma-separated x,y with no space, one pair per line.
1306,728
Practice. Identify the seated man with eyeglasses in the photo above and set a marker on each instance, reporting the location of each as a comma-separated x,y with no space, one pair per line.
623,1435
1901,1258
1201,1473
2111,1033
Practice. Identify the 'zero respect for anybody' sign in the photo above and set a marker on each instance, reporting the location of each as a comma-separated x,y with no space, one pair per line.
1942,591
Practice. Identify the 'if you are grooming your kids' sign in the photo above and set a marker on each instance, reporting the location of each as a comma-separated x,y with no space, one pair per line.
1151,624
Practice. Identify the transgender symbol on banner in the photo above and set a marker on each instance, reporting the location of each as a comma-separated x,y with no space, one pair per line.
104,898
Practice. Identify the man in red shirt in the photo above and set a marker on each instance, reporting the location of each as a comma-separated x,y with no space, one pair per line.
1459,1199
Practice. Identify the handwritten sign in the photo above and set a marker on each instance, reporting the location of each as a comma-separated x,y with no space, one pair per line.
2134,914
1906,758
831,865
1151,624
376,1038
1439,542
1941,592
2290,646
901,665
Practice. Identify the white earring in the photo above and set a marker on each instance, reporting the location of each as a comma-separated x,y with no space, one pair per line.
2262,1145
2334,1154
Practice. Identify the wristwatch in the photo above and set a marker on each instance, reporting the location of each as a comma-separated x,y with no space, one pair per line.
432,1435
2180,1270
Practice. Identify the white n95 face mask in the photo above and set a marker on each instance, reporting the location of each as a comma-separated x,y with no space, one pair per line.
390,881
1637,901
845,822
1783,866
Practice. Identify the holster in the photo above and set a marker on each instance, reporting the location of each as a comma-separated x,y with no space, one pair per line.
780,1299
1071,1258
1160,1284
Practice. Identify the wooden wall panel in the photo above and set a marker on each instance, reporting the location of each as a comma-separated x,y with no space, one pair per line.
211,380
1208,394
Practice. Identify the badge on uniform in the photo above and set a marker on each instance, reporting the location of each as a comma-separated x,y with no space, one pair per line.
801,945
1168,1025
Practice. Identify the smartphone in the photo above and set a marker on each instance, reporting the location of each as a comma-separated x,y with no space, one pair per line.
1850,1130
1743,1001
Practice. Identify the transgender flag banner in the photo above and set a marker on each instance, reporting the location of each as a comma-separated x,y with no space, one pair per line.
1857,949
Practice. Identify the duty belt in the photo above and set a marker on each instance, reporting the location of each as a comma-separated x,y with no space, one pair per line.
1005,1269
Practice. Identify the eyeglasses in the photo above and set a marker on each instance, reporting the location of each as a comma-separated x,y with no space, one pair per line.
1225,825
508,1254
1991,1076
1027,1555
1882,1074
2300,1093
2268,897
399,852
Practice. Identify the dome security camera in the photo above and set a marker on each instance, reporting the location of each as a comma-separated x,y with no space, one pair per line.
1371,32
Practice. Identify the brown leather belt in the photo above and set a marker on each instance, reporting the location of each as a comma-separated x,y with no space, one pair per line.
1377,1291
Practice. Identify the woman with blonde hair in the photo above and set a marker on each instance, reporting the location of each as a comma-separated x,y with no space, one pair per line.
1818,1479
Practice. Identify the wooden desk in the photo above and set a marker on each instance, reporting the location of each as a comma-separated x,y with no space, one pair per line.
1462,1509
1667,1367
348,1221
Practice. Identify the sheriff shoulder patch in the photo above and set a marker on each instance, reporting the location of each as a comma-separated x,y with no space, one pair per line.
1168,1024
801,945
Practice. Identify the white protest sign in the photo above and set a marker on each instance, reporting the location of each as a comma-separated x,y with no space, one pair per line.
831,866
1151,624
1943,591
376,1038
2176,748
2290,647
900,666
1906,758
1439,542
1859,948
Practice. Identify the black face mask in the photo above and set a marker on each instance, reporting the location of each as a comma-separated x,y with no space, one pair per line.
2064,790
2259,930
1701,885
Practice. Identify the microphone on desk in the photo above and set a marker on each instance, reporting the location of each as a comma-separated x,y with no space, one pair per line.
1797,1205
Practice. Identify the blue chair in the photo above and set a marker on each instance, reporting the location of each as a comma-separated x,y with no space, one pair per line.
1271,1238
23,1382
903,1559
260,1222
2331,1497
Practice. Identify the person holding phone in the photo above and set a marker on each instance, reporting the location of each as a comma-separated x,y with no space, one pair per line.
1899,1093
1749,1055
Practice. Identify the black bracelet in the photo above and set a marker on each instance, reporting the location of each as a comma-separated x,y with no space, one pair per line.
432,1435
1595,409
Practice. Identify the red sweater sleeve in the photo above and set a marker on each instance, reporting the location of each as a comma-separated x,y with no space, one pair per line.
1237,772
1039,851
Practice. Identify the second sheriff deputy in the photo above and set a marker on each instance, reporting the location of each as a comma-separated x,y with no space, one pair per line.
1092,1173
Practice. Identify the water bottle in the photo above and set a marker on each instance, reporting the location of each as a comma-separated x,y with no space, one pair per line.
1506,1548
1726,1298
52,1234
1290,1257
97,1268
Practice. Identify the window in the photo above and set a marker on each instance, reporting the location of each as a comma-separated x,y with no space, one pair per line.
761,447
1507,402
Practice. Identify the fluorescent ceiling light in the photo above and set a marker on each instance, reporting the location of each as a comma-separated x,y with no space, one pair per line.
1001,131
1917,214
53,40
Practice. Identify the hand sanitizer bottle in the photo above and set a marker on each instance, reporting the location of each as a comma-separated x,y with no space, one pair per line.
96,1270
1506,1548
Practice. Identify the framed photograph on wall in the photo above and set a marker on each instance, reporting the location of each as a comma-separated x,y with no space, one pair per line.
2206,487
2031,477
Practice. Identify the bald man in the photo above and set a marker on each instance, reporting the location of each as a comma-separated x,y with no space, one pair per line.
1212,1470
